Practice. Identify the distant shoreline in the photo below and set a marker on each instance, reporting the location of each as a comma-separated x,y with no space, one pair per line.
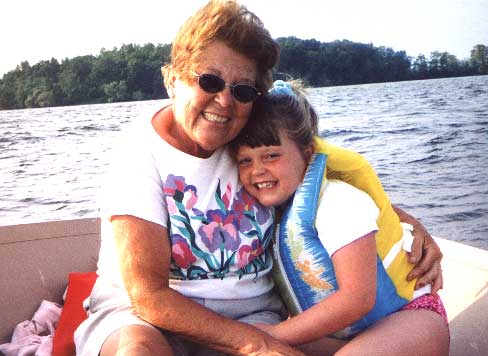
132,72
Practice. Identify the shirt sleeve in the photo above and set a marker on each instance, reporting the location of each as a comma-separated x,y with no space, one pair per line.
132,185
345,214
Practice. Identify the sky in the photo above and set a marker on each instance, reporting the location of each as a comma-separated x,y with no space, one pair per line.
36,30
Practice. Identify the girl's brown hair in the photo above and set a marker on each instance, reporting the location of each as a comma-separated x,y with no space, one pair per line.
292,113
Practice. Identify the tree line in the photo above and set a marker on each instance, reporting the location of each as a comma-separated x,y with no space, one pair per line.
133,72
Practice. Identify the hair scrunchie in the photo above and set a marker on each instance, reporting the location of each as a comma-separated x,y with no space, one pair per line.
281,87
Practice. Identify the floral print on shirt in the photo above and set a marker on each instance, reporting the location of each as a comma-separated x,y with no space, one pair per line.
228,239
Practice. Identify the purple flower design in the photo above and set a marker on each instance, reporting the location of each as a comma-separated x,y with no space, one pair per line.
197,212
173,184
244,202
221,230
176,187
263,214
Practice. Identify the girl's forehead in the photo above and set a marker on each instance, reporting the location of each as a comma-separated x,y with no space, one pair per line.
248,148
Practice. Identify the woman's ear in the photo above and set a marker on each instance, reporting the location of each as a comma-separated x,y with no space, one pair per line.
169,77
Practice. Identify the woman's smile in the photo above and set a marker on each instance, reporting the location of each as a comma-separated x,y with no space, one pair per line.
215,118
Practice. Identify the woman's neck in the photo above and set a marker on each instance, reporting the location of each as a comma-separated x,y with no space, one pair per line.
168,129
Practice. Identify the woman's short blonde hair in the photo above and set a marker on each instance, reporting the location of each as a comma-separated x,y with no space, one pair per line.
233,24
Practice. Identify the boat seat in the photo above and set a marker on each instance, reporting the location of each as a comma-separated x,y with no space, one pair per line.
37,258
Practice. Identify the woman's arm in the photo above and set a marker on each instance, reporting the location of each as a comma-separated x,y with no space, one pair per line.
426,254
144,253
355,269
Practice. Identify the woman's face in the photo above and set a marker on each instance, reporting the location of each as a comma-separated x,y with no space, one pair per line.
205,121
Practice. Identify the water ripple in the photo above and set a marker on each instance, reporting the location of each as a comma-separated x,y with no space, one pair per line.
427,140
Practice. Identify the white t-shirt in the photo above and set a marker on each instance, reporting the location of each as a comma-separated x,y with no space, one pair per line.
219,234
345,214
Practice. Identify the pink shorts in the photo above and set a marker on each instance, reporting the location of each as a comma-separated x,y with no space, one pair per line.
428,302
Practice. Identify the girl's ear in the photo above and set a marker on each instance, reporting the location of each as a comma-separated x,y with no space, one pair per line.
308,152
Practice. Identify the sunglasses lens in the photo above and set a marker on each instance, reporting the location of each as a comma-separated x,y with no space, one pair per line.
245,93
211,83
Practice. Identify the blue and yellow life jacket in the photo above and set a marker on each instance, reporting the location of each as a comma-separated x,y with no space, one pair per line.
299,252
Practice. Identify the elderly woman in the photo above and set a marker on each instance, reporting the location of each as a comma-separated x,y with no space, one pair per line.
184,265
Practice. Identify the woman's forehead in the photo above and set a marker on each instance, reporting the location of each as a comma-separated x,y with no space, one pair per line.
220,59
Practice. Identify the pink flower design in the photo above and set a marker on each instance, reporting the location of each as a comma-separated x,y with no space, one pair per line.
172,209
248,253
243,200
227,194
181,252
190,197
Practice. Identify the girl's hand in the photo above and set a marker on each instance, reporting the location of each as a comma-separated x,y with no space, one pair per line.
267,328
282,349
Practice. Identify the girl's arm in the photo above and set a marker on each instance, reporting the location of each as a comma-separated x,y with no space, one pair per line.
353,168
355,268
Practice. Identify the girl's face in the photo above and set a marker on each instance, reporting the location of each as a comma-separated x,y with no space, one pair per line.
272,173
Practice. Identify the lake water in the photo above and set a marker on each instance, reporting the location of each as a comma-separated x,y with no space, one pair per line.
428,141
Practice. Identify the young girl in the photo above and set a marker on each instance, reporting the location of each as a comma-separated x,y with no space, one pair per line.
338,273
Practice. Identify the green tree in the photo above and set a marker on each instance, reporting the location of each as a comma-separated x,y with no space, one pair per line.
449,65
435,65
7,91
479,58
40,98
75,80
116,91
420,67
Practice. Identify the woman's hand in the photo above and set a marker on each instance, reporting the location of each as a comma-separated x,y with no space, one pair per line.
425,255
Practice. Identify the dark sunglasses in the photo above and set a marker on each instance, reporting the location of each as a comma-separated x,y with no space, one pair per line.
212,83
